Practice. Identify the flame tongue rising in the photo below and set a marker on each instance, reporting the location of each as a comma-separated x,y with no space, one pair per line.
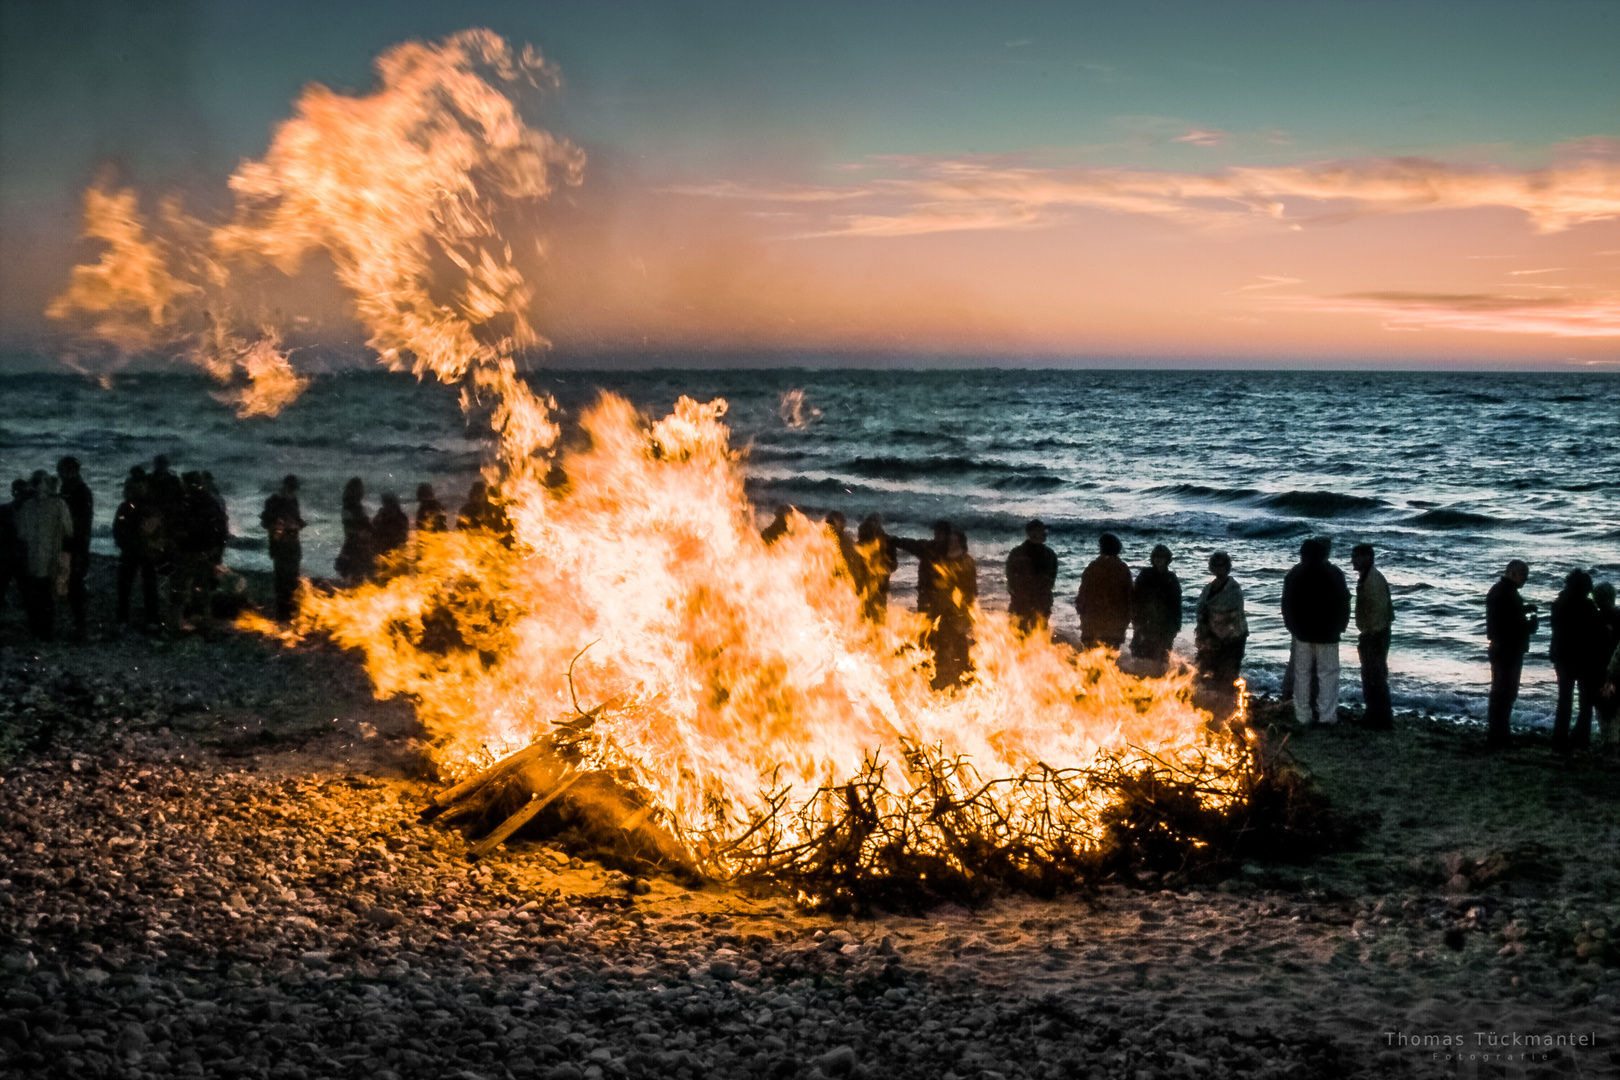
732,669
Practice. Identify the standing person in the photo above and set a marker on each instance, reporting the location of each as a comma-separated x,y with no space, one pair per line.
1104,598
1031,575
1578,636
130,535
1375,614
1316,610
778,527
283,521
430,517
876,550
953,600
391,528
930,553
1509,624
1220,632
81,504
854,566
475,512
1156,610
45,526
13,554
355,558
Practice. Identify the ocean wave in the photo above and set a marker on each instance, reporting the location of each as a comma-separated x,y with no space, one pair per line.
819,485
889,467
1260,528
1201,491
1323,504
1447,518
1044,482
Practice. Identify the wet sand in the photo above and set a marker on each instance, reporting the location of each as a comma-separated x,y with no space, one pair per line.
213,865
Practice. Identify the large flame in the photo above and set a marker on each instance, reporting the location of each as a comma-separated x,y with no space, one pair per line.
735,681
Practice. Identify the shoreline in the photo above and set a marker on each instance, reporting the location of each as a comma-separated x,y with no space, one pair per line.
215,867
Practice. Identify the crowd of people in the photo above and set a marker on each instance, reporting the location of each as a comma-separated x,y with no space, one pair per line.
173,528
1317,609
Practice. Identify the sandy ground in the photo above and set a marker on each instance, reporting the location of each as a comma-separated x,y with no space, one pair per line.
1480,911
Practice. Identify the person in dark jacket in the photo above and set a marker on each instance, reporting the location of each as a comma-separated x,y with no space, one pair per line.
1156,610
1220,633
930,553
355,559
852,565
283,521
200,530
390,528
430,516
1509,624
1578,639
130,526
13,555
876,550
1031,574
1316,610
1104,598
81,506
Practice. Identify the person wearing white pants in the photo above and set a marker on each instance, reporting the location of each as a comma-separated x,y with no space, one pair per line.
1316,610
1317,663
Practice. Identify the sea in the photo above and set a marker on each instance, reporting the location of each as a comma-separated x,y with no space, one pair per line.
1448,475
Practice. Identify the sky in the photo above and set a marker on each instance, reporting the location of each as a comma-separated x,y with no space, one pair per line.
1410,183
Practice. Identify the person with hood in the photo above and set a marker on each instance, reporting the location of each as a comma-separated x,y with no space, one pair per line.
876,550
81,504
430,516
1375,614
356,560
953,598
1031,575
45,526
1316,610
283,521
1578,639
390,528
1104,598
1156,610
130,522
1509,625
1220,633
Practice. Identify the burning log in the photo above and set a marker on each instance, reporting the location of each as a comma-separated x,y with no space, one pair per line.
512,824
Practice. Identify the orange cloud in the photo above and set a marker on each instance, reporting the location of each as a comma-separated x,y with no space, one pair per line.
1553,316
950,195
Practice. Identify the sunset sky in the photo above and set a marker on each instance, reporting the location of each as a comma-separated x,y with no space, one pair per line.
1408,182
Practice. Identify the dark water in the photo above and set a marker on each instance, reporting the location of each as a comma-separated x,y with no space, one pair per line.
1449,475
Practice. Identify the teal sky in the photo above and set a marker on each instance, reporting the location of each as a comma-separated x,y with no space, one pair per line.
179,93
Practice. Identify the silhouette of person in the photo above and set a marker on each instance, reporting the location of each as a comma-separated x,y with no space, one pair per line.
13,553
475,512
1156,610
1031,575
1375,614
81,505
1220,634
1608,664
852,564
1509,624
929,554
46,526
391,527
430,516
1579,635
199,531
876,550
1104,598
778,527
283,521
956,591
130,536
356,560
1316,610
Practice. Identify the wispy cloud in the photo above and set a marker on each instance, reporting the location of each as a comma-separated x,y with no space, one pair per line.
1547,270
1266,282
1202,137
1554,316
937,195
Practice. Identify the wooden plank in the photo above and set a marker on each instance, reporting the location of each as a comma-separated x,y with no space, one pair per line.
478,780
524,816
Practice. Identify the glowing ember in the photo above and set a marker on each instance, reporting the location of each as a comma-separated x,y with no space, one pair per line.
739,684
